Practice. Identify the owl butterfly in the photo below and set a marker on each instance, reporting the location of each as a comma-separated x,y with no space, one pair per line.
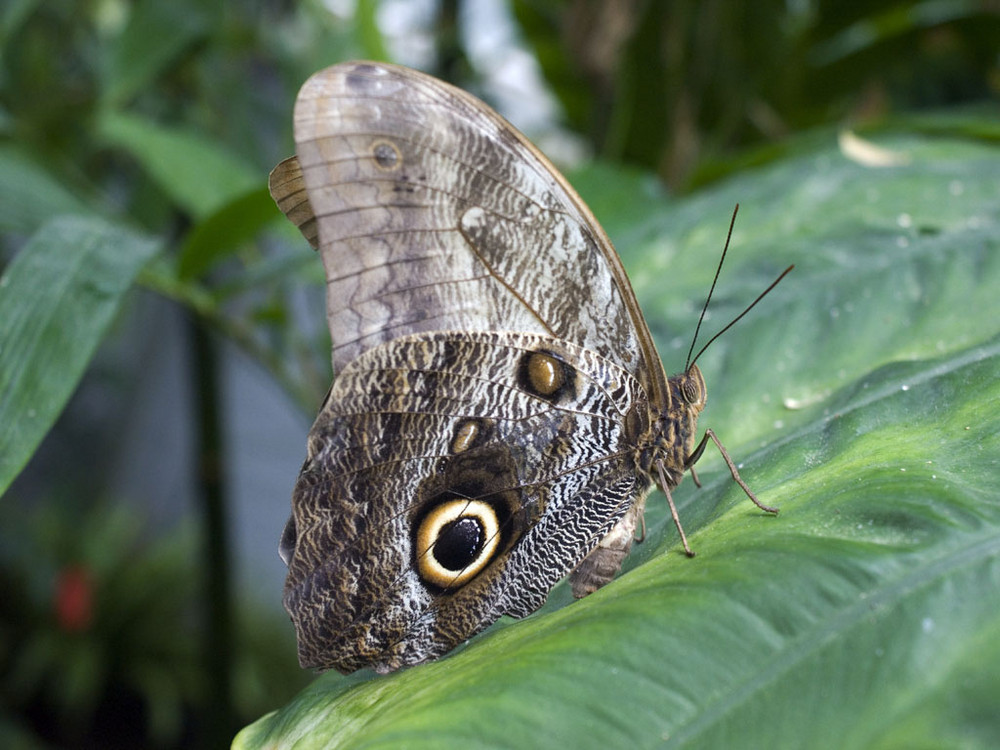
499,412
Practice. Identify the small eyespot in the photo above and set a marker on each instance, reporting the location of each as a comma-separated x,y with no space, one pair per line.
466,435
386,155
544,375
470,433
455,541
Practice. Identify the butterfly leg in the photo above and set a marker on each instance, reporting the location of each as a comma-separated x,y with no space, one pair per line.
732,469
642,536
673,509
693,459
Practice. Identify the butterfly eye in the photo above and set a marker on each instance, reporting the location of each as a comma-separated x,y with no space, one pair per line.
455,540
690,390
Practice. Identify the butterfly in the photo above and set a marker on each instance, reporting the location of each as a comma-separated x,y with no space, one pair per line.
499,412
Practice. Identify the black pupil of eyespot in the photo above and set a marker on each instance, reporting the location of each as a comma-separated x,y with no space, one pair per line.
458,543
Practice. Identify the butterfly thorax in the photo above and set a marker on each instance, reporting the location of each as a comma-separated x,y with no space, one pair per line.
670,437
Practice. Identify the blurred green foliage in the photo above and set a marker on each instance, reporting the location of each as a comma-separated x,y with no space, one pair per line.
157,123
682,87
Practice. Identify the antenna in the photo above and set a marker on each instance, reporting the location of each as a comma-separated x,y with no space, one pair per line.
734,321
718,270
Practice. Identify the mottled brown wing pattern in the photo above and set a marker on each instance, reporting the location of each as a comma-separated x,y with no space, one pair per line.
420,420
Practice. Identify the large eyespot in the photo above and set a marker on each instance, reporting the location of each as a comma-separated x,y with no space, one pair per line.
545,375
455,540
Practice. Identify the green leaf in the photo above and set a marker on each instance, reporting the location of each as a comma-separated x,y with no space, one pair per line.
369,33
199,176
29,194
863,398
13,16
157,33
57,299
225,231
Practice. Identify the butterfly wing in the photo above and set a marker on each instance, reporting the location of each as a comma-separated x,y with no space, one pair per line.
491,361
434,213
452,423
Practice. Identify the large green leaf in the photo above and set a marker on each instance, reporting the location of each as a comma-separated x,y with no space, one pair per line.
199,175
57,299
863,398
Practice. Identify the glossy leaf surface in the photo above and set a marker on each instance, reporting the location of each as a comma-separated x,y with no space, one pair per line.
863,398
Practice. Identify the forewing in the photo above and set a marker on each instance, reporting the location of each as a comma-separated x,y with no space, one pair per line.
433,213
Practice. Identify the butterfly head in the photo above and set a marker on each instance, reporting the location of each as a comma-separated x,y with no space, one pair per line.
691,390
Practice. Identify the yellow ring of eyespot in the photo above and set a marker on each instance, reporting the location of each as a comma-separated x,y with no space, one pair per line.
430,528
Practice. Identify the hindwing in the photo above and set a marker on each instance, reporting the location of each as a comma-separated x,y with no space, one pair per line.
452,417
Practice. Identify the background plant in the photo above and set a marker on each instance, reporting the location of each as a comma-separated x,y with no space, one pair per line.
136,139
